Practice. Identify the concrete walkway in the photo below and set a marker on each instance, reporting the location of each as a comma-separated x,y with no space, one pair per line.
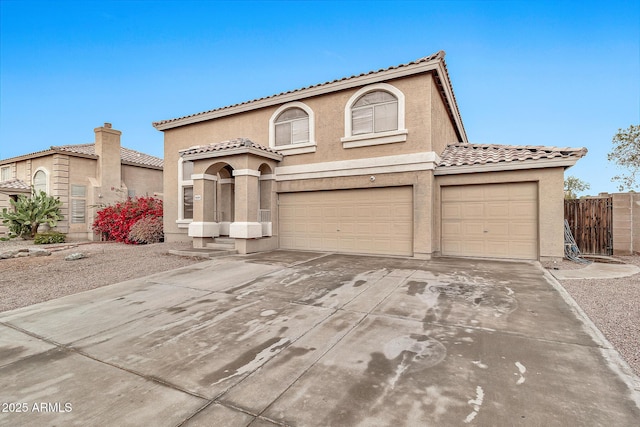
289,338
597,270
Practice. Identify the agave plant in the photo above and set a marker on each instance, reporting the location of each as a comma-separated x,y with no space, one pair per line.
29,212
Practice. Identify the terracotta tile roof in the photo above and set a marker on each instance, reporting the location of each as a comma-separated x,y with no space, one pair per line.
15,184
227,145
126,154
439,56
482,154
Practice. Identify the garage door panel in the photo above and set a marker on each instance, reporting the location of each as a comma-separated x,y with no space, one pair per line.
497,210
522,209
473,210
472,228
358,221
490,220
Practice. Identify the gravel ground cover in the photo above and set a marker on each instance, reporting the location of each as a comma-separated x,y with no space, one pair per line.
613,305
26,281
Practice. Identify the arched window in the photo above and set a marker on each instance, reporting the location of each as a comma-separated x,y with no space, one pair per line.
291,127
40,181
374,112
374,115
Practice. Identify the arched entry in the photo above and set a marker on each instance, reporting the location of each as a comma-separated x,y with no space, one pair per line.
233,193
214,202
225,206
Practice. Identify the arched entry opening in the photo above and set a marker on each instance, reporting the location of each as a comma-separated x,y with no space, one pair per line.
213,202
225,209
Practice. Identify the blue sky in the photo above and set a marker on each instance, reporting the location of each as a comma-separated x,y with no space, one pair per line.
564,73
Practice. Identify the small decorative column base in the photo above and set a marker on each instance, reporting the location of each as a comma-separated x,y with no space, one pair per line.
204,229
245,230
224,228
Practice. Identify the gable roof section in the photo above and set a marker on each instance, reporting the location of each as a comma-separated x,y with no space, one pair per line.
470,158
127,156
13,186
433,63
227,148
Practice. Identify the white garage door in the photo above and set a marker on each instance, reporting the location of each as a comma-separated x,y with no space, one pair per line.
491,220
370,221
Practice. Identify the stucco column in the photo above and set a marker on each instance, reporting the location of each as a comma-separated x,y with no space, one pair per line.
245,224
204,204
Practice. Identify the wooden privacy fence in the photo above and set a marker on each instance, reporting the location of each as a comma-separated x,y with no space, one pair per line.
591,223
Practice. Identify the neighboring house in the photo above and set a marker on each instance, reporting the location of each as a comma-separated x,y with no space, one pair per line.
377,163
84,177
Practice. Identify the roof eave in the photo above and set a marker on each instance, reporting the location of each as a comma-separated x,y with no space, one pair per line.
565,162
231,152
435,65
141,165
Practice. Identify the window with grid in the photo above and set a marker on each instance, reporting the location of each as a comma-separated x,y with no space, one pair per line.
374,112
78,204
186,190
5,173
40,181
292,127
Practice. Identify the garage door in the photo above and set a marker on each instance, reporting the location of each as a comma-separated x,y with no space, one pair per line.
491,220
370,221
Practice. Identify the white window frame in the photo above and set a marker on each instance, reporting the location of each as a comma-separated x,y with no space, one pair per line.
6,170
364,140
182,183
46,178
299,148
82,200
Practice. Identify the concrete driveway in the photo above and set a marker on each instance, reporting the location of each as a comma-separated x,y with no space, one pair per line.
313,339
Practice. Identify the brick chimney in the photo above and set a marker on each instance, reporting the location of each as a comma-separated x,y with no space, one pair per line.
109,173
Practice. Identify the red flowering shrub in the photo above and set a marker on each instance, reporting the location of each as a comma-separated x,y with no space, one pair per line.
115,222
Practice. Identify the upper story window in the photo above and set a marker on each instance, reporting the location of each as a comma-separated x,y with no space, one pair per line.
374,112
5,173
374,115
292,129
40,181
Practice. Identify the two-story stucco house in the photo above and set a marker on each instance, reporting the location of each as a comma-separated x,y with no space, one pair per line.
84,177
377,163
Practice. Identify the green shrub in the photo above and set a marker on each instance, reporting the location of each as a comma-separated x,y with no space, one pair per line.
147,230
29,212
49,237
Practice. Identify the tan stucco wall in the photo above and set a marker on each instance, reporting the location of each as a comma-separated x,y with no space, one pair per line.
422,99
144,181
443,131
80,172
550,203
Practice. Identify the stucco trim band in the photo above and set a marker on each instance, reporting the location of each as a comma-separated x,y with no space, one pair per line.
373,165
204,176
243,172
